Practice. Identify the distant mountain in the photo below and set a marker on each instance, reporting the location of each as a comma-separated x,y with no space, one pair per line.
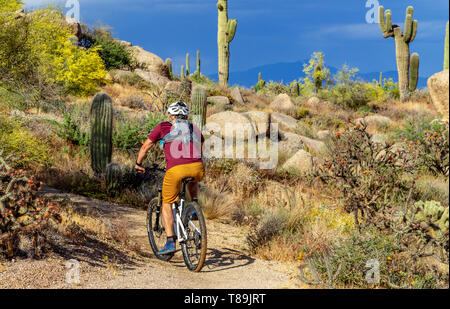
288,72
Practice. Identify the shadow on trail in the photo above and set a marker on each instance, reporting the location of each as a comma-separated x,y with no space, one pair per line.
221,260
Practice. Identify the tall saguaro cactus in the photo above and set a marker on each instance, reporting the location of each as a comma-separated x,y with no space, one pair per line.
188,67
197,72
407,66
199,105
101,115
225,34
446,51
169,67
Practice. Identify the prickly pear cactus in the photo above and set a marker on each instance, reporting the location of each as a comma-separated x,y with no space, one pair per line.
113,177
431,216
226,32
101,115
407,67
199,106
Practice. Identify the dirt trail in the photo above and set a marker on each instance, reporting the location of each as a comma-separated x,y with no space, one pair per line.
226,267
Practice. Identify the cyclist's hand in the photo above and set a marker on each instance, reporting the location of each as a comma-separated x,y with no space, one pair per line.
139,169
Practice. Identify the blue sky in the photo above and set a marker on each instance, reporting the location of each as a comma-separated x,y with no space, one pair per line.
271,31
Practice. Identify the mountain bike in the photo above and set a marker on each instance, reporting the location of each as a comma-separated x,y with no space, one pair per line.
189,227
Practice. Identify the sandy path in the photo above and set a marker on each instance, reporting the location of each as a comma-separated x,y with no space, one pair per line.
227,267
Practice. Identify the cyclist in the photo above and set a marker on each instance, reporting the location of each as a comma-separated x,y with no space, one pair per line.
182,143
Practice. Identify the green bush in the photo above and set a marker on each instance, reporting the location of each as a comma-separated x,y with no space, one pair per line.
113,54
130,134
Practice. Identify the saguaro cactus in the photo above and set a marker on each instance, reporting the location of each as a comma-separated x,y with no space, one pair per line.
188,71
199,106
113,176
101,115
169,67
407,82
182,72
261,83
197,72
446,51
226,33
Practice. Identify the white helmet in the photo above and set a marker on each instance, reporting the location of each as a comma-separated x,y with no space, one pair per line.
178,109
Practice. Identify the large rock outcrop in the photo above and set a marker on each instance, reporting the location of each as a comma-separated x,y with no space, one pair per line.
149,62
230,124
438,85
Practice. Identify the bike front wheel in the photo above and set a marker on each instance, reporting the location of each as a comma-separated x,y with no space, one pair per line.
155,229
195,246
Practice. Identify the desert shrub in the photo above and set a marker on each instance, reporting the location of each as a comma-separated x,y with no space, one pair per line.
275,88
270,226
71,131
134,101
16,139
20,207
370,176
302,112
317,75
113,54
391,89
349,261
129,134
430,142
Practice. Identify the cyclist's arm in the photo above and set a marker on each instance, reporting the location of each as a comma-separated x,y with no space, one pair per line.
143,152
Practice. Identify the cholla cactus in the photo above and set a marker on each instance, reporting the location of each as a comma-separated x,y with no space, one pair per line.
20,206
431,217
407,66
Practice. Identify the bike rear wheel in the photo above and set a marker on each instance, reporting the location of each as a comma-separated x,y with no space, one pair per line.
155,229
195,247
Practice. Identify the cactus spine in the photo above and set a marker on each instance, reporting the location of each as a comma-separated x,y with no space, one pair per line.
187,65
197,72
169,67
199,106
226,33
405,63
446,51
101,116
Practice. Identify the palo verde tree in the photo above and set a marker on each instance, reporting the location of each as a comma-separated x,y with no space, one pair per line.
407,66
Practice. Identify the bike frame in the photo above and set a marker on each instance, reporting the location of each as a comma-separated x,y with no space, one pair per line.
181,236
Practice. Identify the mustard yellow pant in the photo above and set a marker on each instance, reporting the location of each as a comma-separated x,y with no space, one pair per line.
174,176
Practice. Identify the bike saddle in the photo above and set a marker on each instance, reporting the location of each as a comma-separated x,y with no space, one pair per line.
188,180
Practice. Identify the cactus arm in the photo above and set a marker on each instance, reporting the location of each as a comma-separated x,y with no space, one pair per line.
231,29
408,25
414,31
414,72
